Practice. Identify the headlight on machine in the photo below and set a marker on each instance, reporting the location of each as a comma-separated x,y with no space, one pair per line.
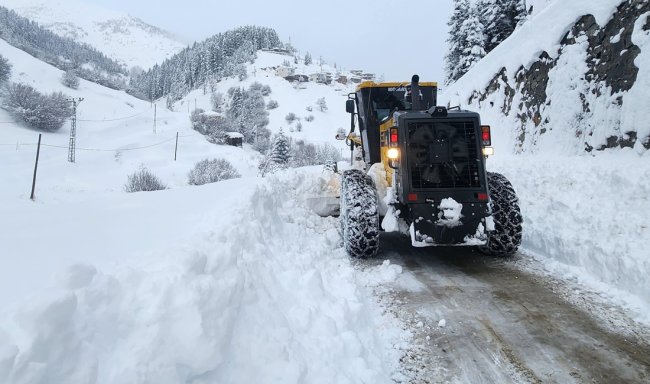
393,153
488,151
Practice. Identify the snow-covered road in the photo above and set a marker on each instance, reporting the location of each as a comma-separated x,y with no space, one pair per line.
478,319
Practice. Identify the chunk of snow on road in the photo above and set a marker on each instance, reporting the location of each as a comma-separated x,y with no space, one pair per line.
442,323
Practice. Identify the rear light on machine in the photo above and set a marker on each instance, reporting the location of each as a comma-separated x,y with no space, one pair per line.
394,137
488,151
482,196
412,197
393,153
486,136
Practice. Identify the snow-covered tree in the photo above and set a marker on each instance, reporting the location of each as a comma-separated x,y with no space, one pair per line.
264,89
474,42
521,14
45,112
273,104
322,104
308,59
143,180
456,40
247,111
217,102
5,69
281,151
211,171
290,117
70,79
500,18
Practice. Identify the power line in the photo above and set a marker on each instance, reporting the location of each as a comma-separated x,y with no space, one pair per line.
92,120
107,150
116,119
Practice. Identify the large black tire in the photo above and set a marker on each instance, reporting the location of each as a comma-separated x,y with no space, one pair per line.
359,215
506,237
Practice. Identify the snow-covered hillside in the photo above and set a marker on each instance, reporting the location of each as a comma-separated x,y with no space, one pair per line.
292,98
569,94
120,36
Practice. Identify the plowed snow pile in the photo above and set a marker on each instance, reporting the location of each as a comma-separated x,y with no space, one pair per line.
261,292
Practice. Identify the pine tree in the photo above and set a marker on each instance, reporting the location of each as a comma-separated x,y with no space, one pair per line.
308,59
455,41
521,14
500,18
474,42
280,154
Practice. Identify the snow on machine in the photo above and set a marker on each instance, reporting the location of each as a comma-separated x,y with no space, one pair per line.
423,172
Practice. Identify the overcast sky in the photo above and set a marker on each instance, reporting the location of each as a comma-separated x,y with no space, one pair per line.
393,38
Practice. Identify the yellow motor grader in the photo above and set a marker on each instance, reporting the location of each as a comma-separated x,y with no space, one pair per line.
432,162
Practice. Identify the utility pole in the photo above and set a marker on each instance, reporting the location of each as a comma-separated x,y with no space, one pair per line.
38,152
155,110
73,129
176,148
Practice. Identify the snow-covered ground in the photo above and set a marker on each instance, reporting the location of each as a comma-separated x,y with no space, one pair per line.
120,36
231,282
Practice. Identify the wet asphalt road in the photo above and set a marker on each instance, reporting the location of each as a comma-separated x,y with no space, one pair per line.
501,324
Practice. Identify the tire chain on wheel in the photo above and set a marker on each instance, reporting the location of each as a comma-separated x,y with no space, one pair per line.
359,214
506,237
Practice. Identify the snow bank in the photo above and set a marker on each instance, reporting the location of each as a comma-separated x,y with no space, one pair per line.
590,215
261,293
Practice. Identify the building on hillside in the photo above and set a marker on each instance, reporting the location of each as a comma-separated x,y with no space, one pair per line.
321,78
235,139
368,76
281,51
284,71
342,79
297,78
357,72
355,79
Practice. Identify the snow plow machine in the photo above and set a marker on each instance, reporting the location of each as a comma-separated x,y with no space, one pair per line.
420,169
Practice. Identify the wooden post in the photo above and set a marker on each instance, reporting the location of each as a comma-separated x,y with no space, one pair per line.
38,152
176,149
155,111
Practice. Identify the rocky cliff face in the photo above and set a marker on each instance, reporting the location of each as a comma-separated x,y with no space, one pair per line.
586,90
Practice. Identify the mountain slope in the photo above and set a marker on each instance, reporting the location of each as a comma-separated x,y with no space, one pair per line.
571,80
122,37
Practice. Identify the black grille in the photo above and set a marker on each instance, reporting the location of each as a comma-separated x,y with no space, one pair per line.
443,155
